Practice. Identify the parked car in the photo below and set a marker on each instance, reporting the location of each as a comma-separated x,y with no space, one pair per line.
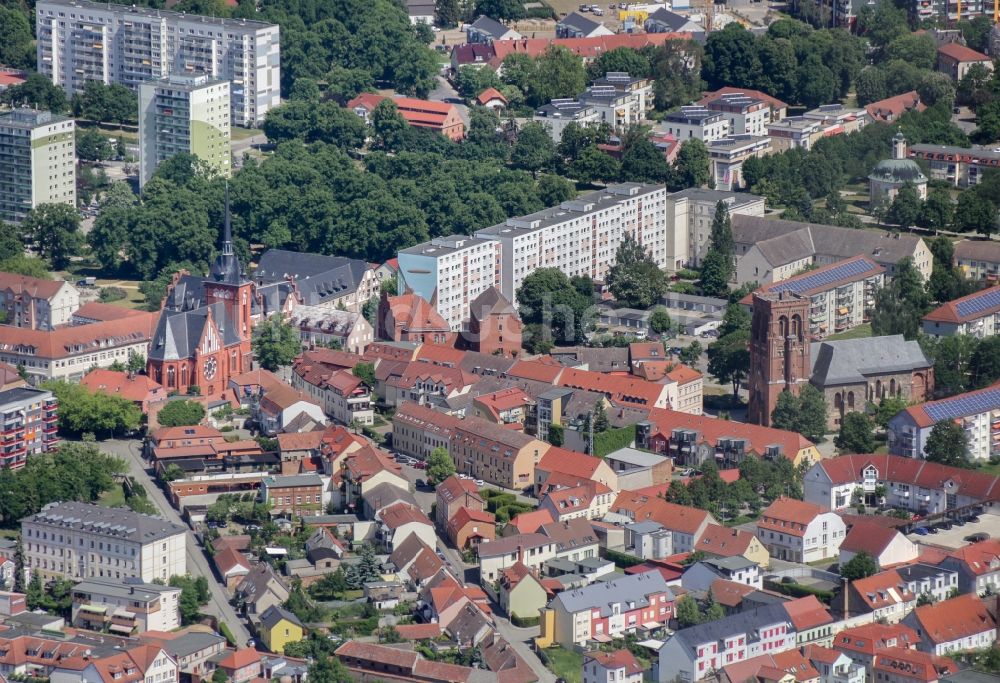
598,12
584,8
921,531
932,530
479,482
945,525
977,537
420,465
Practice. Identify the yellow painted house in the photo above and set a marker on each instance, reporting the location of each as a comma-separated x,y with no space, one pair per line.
279,627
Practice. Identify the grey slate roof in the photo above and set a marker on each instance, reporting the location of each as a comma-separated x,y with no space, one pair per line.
490,26
319,278
849,361
882,247
179,330
634,588
635,457
491,301
578,22
117,522
191,642
133,589
741,622
274,614
672,21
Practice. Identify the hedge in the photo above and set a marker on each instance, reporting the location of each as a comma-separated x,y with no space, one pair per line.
524,622
613,439
621,559
797,590
227,634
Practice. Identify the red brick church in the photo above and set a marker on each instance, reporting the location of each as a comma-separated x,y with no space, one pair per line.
203,335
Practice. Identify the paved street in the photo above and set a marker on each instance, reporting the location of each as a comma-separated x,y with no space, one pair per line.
218,605
445,93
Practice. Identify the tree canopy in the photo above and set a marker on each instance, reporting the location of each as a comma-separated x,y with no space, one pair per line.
82,411
947,444
181,414
635,280
275,343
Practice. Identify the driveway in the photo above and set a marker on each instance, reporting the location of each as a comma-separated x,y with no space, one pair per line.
197,565
443,92
519,638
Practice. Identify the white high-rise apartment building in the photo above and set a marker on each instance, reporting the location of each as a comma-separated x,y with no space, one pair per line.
450,272
80,41
82,541
690,214
581,236
187,114
37,162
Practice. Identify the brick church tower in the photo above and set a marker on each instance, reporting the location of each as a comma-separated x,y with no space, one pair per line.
779,351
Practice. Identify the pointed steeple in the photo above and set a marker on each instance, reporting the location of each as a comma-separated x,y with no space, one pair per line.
227,267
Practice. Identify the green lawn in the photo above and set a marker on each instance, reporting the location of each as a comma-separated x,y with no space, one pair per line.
565,664
237,133
113,498
858,332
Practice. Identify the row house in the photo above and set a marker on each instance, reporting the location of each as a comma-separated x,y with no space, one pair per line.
532,550
959,624
685,524
958,166
936,582
295,494
418,430
400,521
577,467
864,643
909,483
496,454
36,304
343,396
885,596
619,666
453,494
588,500
608,609
911,666
427,384
977,566
694,653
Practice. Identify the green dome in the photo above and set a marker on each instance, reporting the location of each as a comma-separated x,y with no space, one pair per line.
898,171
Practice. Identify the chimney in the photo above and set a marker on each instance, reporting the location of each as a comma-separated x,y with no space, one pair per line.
520,554
847,585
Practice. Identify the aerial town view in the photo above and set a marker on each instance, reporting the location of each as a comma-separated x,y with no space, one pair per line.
499,341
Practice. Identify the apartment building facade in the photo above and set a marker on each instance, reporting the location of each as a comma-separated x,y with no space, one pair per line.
28,423
450,272
80,41
293,494
978,260
496,454
125,608
840,294
37,162
747,115
184,114
580,236
727,155
690,214
82,541
696,122
976,315
798,531
561,112
37,304
960,166
977,412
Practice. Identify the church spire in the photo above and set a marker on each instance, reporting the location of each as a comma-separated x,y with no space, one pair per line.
227,267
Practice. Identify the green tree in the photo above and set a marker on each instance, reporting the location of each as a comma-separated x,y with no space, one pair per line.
501,10
905,207
82,411
718,264
388,126
729,359
918,49
947,444
37,91
901,304
687,612
857,434
642,161
181,413
447,13
691,353
315,122
15,38
366,373
440,466
691,168
346,84
54,231
659,321
548,300
106,103
534,150
974,213
275,343
557,436
713,610
594,165
26,265
984,364
937,211
888,408
35,594
860,566
600,417
92,145
786,412
194,594
219,676
635,280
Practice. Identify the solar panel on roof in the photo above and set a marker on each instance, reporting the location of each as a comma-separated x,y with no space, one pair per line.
962,406
821,279
988,299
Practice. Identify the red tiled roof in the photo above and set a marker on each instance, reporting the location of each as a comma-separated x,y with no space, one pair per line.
640,507
412,313
95,310
869,538
300,441
535,370
530,522
558,459
870,638
948,313
400,514
919,666
425,113
724,541
730,593
615,660
711,429
370,652
807,612
37,288
486,96
454,487
621,389
505,399
237,659
135,388
796,663
892,108
961,53
882,589
789,516
418,631
980,558
464,516
954,619
914,471
228,559
80,339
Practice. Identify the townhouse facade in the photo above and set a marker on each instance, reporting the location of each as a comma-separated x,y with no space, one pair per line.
959,624
958,166
495,454
798,531
37,304
82,541
694,653
342,395
80,41
747,115
977,566
607,609
129,608
908,483
417,429
294,494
